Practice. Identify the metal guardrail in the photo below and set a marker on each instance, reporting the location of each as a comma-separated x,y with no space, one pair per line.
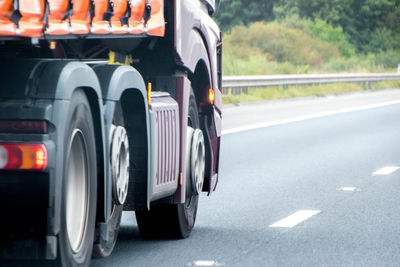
244,82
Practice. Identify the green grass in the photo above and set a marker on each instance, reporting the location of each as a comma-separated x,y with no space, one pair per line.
271,93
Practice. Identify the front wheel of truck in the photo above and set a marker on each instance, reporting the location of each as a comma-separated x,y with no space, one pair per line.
177,220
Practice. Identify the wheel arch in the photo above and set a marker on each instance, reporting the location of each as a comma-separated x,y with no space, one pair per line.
77,75
126,85
97,115
60,79
201,82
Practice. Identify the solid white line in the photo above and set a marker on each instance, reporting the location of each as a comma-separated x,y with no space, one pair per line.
295,218
307,117
386,170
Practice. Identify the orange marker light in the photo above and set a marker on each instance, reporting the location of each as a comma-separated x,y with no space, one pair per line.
149,93
53,45
211,95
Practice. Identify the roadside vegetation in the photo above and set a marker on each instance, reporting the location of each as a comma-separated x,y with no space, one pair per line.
298,46
322,90
307,37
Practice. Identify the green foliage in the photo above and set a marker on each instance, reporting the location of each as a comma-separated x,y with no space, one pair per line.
297,46
270,93
275,92
388,59
369,25
258,65
276,42
362,21
309,36
383,39
240,12
331,34
359,63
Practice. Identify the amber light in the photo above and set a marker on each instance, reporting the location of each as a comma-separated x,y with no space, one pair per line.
23,157
149,93
53,45
211,95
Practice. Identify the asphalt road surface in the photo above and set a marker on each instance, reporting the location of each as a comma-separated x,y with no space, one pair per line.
321,191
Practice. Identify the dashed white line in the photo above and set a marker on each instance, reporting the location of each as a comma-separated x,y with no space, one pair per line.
349,188
204,263
295,218
386,170
308,117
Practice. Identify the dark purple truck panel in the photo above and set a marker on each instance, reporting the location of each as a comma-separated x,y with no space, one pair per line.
196,39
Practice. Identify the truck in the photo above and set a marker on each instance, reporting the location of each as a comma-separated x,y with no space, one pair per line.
105,106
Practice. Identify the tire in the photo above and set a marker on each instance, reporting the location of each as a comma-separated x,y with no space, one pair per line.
103,248
79,190
173,220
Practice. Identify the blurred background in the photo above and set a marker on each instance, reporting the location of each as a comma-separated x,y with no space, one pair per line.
309,36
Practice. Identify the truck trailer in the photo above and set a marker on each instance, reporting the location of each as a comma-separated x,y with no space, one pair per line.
105,106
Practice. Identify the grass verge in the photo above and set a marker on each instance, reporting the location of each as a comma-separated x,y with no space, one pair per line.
271,93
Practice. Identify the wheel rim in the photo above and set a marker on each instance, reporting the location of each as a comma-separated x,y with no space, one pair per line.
120,164
197,161
77,193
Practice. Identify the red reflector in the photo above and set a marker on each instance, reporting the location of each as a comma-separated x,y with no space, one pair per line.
23,157
38,127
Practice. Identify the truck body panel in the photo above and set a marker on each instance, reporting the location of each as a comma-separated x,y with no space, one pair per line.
194,32
165,149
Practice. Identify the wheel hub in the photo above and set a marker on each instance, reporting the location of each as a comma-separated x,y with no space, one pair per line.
197,159
119,163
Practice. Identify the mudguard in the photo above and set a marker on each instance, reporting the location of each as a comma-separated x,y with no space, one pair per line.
41,90
115,80
46,79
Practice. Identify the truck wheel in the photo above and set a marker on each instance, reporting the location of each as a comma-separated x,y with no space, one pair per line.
79,190
176,220
187,211
119,145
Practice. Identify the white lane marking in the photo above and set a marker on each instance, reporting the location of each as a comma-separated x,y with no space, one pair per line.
308,117
204,263
295,218
348,188
386,170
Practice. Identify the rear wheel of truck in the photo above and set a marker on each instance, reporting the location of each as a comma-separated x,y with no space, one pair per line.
177,220
120,175
79,190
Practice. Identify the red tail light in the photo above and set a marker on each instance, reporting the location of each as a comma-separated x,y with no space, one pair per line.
23,157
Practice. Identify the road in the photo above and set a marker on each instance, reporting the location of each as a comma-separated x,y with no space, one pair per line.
324,168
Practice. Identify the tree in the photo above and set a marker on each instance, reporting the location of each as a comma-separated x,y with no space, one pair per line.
370,25
243,12
359,19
